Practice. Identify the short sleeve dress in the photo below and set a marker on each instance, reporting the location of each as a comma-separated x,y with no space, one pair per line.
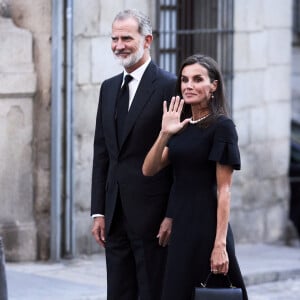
193,154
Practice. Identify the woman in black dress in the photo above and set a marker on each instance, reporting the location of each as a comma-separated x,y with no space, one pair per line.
202,148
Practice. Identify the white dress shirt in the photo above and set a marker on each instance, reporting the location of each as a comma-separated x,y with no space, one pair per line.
134,83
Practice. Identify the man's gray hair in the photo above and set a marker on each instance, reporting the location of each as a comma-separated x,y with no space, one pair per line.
144,24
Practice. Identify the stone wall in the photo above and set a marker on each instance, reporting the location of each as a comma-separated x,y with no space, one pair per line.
18,85
262,112
35,16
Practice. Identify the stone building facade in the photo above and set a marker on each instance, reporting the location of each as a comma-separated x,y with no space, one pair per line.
261,110
17,87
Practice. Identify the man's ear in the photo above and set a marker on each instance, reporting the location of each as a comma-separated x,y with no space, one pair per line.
148,41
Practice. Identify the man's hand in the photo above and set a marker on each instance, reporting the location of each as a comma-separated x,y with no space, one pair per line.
98,230
164,232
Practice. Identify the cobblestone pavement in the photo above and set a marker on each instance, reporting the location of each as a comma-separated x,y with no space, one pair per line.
279,290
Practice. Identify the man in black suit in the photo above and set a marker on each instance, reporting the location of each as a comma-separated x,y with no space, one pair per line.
132,218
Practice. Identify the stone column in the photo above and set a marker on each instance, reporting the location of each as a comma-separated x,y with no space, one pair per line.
17,87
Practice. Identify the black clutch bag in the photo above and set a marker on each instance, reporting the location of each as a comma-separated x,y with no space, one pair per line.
208,293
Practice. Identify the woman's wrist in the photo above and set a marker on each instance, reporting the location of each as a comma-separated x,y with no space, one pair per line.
165,135
220,244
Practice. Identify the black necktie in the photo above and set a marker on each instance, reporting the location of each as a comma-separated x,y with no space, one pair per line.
122,106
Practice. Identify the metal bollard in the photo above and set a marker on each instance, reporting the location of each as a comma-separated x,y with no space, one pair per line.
3,285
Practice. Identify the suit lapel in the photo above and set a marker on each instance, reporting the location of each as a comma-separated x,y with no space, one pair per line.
142,96
111,106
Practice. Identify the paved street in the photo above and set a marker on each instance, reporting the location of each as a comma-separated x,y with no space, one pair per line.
271,273
78,279
279,290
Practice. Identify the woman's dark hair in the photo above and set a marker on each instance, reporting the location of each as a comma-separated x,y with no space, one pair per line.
217,104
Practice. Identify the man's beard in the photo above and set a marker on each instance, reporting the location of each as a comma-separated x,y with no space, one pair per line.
132,58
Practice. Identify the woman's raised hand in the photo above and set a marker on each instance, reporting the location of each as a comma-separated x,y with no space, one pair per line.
171,123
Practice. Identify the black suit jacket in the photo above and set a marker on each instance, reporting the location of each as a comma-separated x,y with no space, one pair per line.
118,168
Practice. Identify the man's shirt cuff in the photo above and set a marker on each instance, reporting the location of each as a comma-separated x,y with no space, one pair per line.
97,215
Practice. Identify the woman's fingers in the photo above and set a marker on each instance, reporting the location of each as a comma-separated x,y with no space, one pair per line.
172,104
165,108
181,103
176,105
222,269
